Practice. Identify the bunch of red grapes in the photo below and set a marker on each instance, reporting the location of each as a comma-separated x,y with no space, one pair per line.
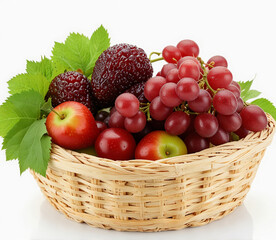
195,100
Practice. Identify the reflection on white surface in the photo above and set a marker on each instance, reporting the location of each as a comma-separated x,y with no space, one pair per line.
237,225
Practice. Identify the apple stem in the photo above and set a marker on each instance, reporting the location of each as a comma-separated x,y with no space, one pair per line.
60,116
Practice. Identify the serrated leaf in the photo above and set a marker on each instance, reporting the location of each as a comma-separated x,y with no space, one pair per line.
24,105
99,42
44,67
266,105
24,82
47,106
34,150
74,53
245,86
27,104
59,68
251,94
14,137
8,118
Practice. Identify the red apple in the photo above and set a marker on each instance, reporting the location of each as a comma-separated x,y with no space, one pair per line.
116,144
71,125
159,144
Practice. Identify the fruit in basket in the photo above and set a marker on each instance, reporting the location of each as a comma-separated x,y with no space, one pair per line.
158,145
176,101
71,125
253,118
116,70
71,86
116,144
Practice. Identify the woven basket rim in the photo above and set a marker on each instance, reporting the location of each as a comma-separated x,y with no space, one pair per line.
209,153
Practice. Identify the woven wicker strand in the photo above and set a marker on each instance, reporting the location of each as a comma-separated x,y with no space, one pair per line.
141,195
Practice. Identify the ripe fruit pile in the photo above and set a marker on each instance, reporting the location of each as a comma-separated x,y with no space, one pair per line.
188,106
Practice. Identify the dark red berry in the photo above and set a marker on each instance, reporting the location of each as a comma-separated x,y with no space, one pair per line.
138,91
72,86
116,70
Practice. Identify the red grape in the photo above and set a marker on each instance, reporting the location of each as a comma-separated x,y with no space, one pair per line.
101,116
113,110
189,69
177,123
137,123
147,129
232,88
158,110
230,123
181,60
116,120
206,125
101,125
166,68
220,137
195,143
187,89
172,76
236,85
188,48
240,104
158,74
253,118
218,61
202,103
225,102
168,95
242,132
171,54
153,86
127,104
219,77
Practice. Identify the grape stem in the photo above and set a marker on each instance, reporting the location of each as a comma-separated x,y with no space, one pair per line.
204,76
145,109
157,59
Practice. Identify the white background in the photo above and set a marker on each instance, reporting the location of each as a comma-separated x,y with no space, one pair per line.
242,31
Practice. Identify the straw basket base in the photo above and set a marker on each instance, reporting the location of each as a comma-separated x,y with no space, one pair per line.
149,196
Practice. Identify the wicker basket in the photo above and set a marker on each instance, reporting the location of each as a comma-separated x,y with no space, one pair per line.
141,195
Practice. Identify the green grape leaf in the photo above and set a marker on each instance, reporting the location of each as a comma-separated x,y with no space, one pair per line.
251,94
27,139
24,82
74,53
266,105
24,105
14,137
34,149
8,117
246,91
44,67
99,42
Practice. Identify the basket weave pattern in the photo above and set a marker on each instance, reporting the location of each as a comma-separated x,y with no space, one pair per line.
142,195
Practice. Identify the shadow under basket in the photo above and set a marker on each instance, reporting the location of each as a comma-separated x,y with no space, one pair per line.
140,195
